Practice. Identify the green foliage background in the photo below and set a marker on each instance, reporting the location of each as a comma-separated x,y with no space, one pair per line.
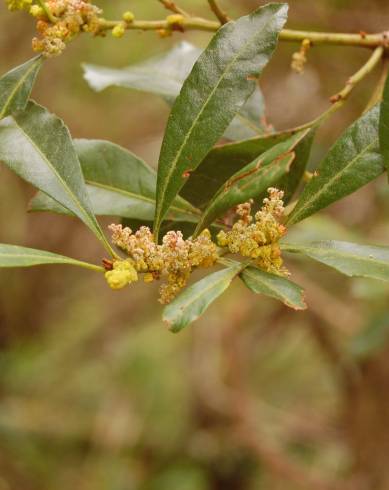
94,392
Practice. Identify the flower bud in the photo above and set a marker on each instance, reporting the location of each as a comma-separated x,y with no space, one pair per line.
175,21
37,11
118,31
128,16
123,273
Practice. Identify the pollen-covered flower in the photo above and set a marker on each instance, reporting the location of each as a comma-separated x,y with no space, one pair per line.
173,260
123,273
258,238
72,17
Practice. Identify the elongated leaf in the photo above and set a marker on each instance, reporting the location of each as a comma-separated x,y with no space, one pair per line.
384,125
192,303
114,202
290,183
37,146
16,86
352,162
249,122
276,287
349,258
118,183
164,75
252,180
218,86
222,162
15,256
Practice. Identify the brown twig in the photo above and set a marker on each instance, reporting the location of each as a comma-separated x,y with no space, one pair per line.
170,5
216,9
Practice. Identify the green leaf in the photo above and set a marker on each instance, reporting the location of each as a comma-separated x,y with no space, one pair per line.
15,256
349,258
290,183
276,287
221,81
384,126
248,123
164,75
252,180
194,300
222,162
118,183
37,146
353,161
16,86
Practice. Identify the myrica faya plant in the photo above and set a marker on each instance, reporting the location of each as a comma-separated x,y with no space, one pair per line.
207,205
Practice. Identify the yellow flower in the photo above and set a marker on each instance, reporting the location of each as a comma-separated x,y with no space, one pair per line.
175,20
123,273
118,31
128,16
37,11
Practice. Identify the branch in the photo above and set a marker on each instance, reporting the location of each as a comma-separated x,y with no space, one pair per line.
216,9
168,4
340,98
287,35
342,39
187,24
379,90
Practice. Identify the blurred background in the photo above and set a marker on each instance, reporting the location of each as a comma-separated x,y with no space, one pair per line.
96,394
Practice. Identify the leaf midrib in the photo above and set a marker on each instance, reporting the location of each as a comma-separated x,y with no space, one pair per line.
275,291
133,195
334,254
216,203
39,257
316,196
194,298
189,133
59,177
16,88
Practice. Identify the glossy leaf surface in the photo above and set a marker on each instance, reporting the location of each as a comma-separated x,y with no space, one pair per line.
118,183
222,162
276,287
37,146
351,259
195,299
164,75
16,86
352,162
15,256
217,88
252,180
249,122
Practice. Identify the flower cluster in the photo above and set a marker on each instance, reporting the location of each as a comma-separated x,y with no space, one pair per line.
175,258
258,237
299,59
71,18
172,261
